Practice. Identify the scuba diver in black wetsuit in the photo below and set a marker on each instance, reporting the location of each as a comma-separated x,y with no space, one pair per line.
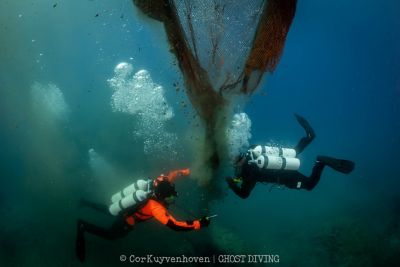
252,167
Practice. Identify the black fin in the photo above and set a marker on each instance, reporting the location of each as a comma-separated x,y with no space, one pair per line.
340,165
307,127
80,242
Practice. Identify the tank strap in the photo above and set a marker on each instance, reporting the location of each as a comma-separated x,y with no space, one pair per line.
284,162
135,208
280,151
141,216
120,204
251,156
135,197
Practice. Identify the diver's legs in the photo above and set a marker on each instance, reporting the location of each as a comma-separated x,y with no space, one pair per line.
96,206
310,134
118,229
340,165
296,180
80,241
315,176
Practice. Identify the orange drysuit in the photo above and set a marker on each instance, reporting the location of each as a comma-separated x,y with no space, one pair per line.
155,208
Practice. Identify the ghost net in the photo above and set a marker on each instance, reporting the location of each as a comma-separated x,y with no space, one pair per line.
223,49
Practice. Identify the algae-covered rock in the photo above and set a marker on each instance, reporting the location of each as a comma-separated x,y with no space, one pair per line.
352,242
227,240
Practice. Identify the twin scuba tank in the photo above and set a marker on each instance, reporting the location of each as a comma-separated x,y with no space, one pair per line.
132,195
265,157
274,158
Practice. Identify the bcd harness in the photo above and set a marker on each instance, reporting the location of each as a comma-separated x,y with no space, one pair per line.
134,196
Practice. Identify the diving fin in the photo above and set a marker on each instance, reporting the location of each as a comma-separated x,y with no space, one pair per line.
304,123
80,242
340,165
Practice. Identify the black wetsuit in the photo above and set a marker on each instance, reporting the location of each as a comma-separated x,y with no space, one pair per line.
250,173
118,229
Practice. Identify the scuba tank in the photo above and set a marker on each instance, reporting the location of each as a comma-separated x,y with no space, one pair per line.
277,163
273,151
128,201
138,185
274,158
132,195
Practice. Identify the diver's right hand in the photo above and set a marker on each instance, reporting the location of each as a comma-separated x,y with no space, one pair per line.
185,172
204,222
232,182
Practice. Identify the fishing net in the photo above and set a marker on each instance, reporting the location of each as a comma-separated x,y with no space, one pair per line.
223,48
219,34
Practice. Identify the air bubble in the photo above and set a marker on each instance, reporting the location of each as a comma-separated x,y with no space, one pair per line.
238,134
138,95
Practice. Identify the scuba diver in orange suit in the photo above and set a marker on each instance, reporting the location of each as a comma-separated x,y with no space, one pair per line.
154,207
247,172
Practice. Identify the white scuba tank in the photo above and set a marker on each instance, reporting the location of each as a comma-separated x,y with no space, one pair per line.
277,163
138,185
128,201
273,151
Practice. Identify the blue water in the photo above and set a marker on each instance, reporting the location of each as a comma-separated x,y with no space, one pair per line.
340,70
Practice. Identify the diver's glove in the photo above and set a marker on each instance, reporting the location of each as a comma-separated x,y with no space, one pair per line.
232,181
185,172
204,222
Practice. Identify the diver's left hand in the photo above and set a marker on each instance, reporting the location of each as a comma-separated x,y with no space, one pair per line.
204,222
